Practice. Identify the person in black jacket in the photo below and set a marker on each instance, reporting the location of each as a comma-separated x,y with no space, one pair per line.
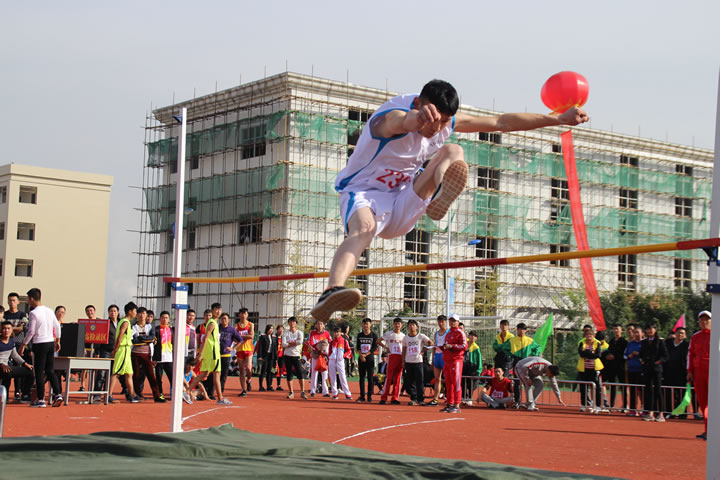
653,354
675,369
614,364
267,355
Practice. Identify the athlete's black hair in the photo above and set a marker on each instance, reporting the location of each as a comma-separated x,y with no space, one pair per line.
441,94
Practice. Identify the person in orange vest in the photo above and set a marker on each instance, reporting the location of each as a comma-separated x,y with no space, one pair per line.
699,364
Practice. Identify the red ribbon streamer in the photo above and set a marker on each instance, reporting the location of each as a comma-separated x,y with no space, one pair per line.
578,222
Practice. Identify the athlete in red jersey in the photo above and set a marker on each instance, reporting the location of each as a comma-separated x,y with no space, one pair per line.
698,368
319,343
453,351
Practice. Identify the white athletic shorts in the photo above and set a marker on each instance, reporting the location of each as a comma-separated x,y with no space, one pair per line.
396,213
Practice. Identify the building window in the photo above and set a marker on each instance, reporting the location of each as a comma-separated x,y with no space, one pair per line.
415,292
487,248
556,148
253,141
356,115
26,231
3,194
559,189
23,268
191,237
628,198
362,281
627,272
683,206
684,170
250,231
2,230
488,178
559,248
495,138
28,194
683,273
1,265
195,162
630,161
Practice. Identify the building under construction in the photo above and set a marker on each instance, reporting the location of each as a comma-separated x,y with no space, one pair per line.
261,161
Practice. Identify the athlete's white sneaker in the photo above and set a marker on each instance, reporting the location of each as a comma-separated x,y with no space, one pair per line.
453,184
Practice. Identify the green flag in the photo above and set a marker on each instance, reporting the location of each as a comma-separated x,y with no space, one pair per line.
542,333
680,409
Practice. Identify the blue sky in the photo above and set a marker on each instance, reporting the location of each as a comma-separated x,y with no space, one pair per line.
78,77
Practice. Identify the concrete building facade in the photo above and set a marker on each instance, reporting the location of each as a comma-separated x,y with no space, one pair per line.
53,236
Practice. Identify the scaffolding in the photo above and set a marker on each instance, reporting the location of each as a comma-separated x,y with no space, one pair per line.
260,200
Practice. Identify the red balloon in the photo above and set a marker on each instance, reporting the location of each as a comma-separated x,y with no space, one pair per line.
565,90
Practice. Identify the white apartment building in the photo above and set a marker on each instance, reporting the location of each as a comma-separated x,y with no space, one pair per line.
53,236
260,165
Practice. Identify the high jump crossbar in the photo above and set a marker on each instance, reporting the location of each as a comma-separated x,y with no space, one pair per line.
597,252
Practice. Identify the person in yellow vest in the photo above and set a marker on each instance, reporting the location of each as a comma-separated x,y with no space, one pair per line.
502,358
589,367
122,366
209,353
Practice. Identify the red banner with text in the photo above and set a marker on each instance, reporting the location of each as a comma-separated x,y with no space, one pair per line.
97,330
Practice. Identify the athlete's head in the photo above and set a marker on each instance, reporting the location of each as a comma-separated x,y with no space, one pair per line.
224,320
552,371
705,320
397,324
454,321
366,325
412,327
319,326
292,323
337,332
441,94
521,329
504,325
472,336
442,322
499,373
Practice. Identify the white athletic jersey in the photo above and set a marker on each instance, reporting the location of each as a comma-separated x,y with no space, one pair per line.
389,164
440,340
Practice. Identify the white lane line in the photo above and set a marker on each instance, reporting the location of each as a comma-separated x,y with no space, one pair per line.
84,418
207,411
396,426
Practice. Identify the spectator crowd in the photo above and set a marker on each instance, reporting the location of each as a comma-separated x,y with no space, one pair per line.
635,362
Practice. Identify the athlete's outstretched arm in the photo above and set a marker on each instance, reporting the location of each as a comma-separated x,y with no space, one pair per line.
513,122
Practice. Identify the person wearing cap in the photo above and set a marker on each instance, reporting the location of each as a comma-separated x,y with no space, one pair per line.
699,364
519,347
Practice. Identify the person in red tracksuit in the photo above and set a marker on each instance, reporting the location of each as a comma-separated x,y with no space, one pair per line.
453,351
698,368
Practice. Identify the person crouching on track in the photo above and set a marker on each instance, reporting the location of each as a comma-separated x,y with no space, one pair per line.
530,371
499,393
453,353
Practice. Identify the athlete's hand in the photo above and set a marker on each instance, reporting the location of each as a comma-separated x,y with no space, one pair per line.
562,403
417,119
574,116
690,377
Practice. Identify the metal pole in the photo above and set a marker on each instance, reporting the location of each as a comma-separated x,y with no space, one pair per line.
3,401
179,293
712,468
447,272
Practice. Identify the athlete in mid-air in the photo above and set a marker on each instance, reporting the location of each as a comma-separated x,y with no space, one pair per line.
381,192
